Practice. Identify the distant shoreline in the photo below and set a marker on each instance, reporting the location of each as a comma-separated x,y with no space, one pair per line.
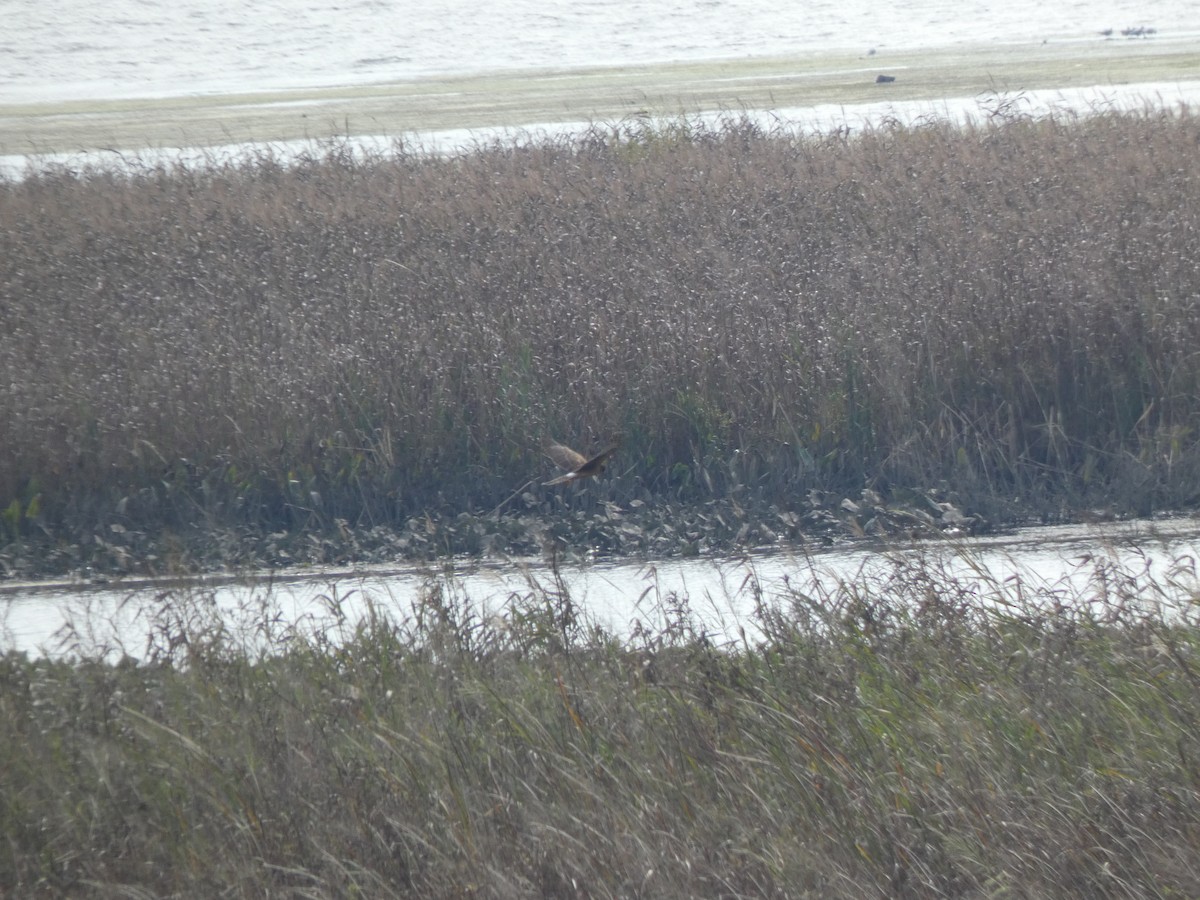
547,97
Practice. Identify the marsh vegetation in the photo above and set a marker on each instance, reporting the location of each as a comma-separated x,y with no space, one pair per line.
358,354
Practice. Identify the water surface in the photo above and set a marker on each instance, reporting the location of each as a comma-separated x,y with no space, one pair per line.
1064,564
107,49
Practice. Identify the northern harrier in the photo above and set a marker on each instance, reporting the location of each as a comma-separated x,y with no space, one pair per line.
577,465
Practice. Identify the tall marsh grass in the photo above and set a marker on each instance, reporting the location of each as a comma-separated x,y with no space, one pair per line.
915,736
1006,309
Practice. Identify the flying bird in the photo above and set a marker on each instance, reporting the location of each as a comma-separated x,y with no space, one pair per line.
577,465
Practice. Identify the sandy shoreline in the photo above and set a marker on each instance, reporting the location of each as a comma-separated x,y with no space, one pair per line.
546,97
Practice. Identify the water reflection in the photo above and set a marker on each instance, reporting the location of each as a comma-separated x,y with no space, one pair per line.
723,595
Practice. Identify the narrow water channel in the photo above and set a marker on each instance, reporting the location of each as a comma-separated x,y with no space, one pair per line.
1154,560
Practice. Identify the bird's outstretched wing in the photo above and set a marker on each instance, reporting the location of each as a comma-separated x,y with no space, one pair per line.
578,465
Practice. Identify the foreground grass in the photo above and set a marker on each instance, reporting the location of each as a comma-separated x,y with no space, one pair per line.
912,737
1005,311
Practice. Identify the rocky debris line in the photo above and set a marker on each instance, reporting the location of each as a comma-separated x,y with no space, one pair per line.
536,524
1136,31
915,513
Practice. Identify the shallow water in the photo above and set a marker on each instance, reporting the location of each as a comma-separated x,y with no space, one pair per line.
1068,564
88,49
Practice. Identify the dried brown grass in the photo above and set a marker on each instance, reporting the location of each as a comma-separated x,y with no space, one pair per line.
1007,309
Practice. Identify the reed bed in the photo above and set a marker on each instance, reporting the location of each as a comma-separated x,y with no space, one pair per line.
911,735
1005,310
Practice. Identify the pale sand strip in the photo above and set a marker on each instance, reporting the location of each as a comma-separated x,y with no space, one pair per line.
600,94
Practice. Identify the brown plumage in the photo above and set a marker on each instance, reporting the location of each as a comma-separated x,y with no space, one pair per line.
577,465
